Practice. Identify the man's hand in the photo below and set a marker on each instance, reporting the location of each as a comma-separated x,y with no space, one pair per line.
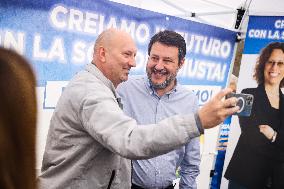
216,110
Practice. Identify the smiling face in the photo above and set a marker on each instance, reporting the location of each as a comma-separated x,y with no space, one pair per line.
162,66
115,55
121,58
274,68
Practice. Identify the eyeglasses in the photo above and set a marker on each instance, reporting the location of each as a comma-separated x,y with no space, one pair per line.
272,62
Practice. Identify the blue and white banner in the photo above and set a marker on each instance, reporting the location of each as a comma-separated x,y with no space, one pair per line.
222,143
57,36
261,31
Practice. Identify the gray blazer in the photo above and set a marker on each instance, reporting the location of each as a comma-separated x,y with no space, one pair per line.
90,139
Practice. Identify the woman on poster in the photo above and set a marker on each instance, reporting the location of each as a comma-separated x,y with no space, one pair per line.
277,137
254,157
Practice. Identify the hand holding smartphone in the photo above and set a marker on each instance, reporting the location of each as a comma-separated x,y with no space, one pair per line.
245,102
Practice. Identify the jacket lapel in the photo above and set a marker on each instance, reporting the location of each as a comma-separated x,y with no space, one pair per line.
281,108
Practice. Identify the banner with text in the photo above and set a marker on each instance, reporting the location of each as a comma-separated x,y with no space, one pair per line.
57,36
261,31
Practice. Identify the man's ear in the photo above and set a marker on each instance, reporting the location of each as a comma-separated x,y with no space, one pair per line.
181,63
102,54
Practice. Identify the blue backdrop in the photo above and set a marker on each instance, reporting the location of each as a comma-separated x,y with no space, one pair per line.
57,36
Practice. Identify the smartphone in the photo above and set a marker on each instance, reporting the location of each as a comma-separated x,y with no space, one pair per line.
245,102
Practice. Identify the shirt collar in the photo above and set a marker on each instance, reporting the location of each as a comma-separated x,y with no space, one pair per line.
93,69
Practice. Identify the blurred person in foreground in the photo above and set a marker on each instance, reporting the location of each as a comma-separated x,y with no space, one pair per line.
253,160
17,122
152,98
90,139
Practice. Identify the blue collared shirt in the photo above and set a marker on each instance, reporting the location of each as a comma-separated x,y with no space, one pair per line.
143,104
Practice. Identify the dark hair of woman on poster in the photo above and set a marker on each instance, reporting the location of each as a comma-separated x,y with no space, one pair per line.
259,153
17,122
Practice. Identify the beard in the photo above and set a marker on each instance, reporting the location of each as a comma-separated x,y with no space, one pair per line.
171,77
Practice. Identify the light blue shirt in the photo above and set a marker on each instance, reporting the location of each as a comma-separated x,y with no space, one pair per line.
143,104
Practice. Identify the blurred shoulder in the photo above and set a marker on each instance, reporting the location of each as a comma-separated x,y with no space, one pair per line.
250,90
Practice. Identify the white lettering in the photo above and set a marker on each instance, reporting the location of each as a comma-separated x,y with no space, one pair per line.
112,23
215,48
78,52
257,33
273,35
130,29
14,41
90,24
142,33
93,23
199,44
199,69
56,51
279,24
197,40
82,52
206,47
204,92
225,49
75,20
37,51
54,16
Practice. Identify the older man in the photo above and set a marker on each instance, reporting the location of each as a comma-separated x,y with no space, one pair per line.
90,137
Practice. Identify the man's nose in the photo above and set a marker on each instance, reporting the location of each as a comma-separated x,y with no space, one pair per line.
159,65
132,62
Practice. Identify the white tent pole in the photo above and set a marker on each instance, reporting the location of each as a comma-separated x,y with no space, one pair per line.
215,13
175,6
194,14
217,4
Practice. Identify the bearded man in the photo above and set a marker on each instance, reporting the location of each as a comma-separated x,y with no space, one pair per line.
149,99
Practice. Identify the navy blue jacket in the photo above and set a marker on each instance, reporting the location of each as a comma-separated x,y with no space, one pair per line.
254,155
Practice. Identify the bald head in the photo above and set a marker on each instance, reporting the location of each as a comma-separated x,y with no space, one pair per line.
104,38
109,36
114,54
